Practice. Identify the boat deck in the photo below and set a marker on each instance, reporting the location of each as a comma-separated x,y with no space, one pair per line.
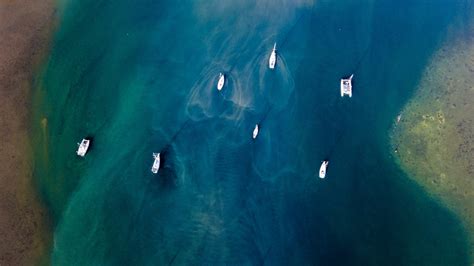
346,86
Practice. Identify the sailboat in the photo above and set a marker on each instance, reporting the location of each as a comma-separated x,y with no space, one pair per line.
220,83
273,58
156,163
322,169
255,132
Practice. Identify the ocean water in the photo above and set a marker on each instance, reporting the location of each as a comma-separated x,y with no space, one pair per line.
139,77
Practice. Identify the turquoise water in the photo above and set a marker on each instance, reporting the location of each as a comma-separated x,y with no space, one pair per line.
139,77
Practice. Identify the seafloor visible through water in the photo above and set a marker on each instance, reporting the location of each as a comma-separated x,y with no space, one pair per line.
434,138
140,77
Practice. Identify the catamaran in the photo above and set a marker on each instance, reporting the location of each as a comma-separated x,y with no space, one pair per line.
255,132
220,83
156,163
83,147
322,169
346,86
273,58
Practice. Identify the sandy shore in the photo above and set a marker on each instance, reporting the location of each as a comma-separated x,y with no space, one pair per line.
25,29
435,137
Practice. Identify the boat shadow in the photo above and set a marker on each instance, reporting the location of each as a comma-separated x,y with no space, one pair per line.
167,177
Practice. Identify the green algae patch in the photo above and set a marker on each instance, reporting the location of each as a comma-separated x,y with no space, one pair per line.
434,139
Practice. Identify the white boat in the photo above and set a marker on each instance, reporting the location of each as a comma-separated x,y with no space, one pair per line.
399,117
83,147
322,169
273,58
156,163
220,83
346,86
255,132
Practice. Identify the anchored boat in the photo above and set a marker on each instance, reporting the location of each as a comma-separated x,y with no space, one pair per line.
220,83
273,58
255,132
156,163
83,147
399,117
322,169
346,86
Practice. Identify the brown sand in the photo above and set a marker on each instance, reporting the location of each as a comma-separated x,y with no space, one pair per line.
435,137
25,29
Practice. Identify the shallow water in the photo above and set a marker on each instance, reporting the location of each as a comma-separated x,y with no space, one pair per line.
140,78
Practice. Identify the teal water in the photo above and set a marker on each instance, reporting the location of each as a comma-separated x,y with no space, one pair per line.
139,77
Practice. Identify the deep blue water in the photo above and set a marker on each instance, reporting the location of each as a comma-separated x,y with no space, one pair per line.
139,77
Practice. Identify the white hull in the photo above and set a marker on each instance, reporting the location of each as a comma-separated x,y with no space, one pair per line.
255,132
322,169
221,82
273,58
346,86
399,117
83,147
156,163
